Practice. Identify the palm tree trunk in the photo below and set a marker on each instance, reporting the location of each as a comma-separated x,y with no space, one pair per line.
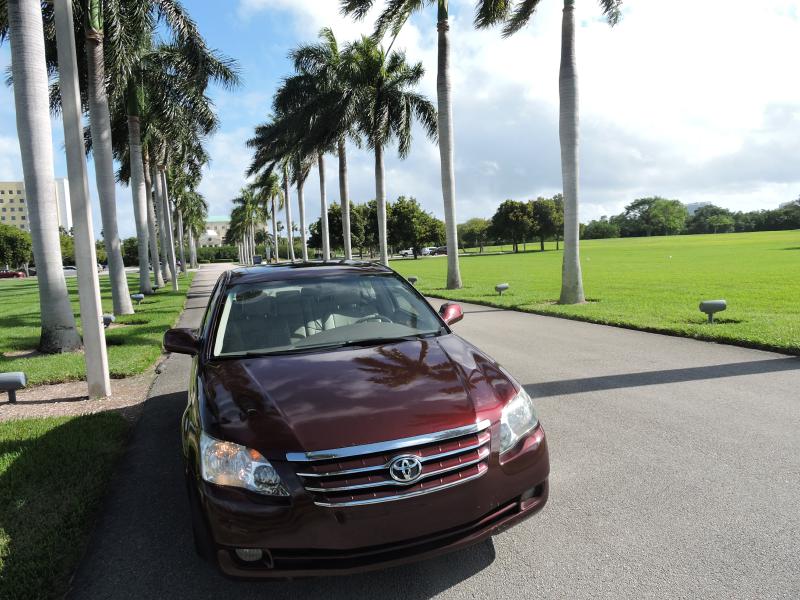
100,127
29,71
323,209
344,196
302,208
162,223
181,236
571,278
446,143
139,201
192,249
151,223
96,356
274,228
288,206
380,197
169,231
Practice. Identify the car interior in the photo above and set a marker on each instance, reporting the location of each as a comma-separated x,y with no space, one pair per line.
270,316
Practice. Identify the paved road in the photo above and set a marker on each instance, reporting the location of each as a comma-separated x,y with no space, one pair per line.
675,474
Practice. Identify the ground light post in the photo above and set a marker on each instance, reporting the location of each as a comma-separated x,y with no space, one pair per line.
85,254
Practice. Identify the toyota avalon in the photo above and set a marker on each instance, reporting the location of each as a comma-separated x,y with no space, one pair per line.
335,424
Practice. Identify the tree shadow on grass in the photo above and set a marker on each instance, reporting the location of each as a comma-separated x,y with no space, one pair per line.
49,493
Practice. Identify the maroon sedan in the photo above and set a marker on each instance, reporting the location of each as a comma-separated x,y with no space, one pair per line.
336,424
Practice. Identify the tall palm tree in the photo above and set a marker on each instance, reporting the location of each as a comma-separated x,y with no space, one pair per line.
392,19
321,93
152,236
95,354
248,214
267,189
287,204
300,167
102,150
193,211
513,18
29,70
387,107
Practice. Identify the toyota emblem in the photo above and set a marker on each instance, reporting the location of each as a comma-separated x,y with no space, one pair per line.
405,469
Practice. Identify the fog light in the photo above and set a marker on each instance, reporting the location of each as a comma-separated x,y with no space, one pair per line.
249,554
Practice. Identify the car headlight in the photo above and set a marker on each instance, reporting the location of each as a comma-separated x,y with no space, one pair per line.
226,463
517,419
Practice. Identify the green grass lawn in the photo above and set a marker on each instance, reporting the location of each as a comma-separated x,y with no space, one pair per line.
132,347
653,284
53,476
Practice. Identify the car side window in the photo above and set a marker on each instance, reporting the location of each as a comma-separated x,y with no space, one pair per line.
206,323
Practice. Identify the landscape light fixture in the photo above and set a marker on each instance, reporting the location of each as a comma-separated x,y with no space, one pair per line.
413,280
712,306
108,320
501,287
10,383
137,297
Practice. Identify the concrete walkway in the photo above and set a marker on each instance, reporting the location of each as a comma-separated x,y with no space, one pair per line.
675,474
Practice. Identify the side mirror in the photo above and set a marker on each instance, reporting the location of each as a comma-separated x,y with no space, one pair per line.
181,341
451,312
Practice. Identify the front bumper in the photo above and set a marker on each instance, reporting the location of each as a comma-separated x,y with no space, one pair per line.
301,539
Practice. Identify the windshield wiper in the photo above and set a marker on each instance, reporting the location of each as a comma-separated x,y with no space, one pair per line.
335,345
390,340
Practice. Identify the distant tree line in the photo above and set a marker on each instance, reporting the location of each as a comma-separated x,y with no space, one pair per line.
408,227
659,216
515,222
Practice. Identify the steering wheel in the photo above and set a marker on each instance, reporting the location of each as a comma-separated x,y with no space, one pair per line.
374,317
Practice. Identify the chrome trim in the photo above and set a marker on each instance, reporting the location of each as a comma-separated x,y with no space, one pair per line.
400,496
423,459
380,447
374,484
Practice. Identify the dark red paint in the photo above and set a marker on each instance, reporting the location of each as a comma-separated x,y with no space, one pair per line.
340,398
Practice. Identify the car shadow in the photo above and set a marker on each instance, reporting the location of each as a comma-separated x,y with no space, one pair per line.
628,380
142,544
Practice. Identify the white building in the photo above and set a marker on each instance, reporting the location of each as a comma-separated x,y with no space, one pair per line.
216,228
14,204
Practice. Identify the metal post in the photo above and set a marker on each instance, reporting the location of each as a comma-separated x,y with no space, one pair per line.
94,339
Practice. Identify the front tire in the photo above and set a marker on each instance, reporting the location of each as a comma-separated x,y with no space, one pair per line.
203,543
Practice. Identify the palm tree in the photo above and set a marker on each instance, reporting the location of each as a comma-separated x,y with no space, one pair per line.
387,106
287,203
152,236
267,188
248,214
300,167
393,17
514,19
194,212
100,126
322,94
95,355
29,70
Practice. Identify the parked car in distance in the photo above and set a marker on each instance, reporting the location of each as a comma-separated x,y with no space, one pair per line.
428,250
440,250
406,253
335,424
12,274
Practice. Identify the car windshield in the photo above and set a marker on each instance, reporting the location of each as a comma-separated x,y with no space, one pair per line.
311,313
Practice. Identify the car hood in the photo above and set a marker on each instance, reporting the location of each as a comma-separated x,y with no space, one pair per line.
353,396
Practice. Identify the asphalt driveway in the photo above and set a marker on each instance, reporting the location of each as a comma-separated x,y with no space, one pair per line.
675,473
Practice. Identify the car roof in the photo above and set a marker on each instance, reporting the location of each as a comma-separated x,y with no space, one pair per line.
301,270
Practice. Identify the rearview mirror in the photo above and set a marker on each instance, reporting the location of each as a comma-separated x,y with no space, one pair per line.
181,341
451,312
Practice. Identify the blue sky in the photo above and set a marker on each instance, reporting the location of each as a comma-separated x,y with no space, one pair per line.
695,101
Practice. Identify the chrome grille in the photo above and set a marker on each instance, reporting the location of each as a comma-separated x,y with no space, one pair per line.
359,475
